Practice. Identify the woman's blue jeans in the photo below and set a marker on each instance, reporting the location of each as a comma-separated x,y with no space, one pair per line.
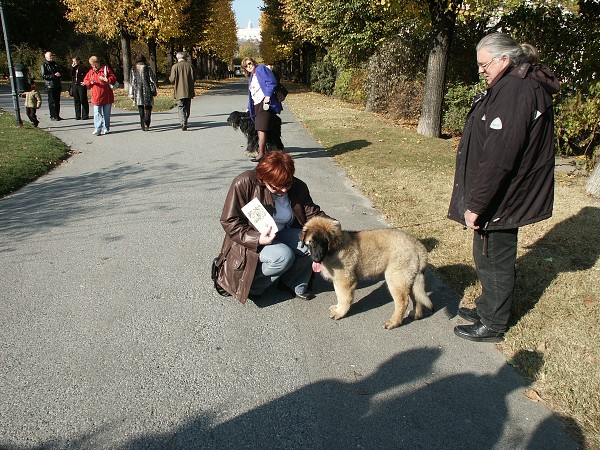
102,115
287,260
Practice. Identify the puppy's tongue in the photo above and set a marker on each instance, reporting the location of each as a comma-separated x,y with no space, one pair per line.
317,267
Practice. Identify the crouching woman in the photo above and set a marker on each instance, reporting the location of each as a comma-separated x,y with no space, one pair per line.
250,261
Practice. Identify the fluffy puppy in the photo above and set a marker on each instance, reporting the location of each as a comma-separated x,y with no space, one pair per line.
346,257
243,122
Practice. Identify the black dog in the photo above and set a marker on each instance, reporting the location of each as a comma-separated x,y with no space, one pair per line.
243,121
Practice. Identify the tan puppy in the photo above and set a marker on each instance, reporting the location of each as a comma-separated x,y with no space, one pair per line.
346,257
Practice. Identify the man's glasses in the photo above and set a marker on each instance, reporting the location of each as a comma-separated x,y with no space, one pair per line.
483,66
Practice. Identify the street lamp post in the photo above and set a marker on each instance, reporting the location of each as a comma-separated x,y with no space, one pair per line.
13,81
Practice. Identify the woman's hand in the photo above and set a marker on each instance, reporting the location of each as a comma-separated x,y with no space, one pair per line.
267,99
266,237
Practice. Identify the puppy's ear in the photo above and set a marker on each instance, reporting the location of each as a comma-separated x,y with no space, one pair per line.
302,235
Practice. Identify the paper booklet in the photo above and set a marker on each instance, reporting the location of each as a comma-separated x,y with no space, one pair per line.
259,217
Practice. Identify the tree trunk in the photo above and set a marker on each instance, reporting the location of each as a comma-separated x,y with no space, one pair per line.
297,65
309,56
443,20
152,54
169,54
126,49
593,185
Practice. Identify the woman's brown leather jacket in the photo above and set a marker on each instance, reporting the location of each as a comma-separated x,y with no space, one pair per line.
239,253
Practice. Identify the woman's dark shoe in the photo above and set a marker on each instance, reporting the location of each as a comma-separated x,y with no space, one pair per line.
469,314
305,296
254,297
308,295
255,159
478,332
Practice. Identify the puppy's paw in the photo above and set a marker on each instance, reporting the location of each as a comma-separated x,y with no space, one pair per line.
391,324
336,313
416,315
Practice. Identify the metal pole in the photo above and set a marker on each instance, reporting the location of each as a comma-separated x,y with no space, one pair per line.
13,81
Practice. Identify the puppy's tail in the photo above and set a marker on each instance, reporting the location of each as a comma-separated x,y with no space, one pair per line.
420,295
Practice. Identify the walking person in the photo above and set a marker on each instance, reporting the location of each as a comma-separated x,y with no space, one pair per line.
98,79
504,173
53,79
79,89
183,76
263,104
142,90
33,102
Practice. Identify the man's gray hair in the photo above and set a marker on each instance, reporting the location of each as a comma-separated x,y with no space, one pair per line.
180,56
500,44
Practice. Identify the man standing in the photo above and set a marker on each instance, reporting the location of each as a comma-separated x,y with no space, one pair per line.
52,78
504,173
183,76
79,90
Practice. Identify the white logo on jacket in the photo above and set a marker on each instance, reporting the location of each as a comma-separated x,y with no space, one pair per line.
496,124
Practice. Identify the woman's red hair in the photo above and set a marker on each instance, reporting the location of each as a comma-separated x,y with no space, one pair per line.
276,168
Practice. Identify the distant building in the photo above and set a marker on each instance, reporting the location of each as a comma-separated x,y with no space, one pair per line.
248,34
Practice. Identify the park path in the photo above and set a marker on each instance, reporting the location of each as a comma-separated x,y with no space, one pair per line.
111,336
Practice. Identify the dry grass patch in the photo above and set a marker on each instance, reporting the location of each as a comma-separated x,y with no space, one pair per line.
554,335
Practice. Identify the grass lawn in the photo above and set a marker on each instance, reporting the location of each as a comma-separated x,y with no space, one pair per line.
26,152
553,339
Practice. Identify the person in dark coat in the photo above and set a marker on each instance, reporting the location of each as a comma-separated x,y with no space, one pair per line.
250,260
183,76
53,79
504,173
142,89
79,89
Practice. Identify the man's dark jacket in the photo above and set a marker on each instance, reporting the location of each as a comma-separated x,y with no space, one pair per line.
49,68
505,159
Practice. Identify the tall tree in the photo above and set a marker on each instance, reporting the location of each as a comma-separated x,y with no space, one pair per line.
219,38
443,20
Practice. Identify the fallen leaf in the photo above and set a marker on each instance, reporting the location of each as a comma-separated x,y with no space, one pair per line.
543,347
531,394
589,301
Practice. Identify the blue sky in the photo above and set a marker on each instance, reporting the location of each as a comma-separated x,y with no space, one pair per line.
246,10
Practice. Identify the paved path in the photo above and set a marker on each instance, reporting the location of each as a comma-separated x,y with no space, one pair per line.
111,335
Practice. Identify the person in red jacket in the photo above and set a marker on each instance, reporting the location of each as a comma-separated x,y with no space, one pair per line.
99,80
504,173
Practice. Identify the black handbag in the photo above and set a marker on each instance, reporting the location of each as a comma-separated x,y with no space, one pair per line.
216,265
281,92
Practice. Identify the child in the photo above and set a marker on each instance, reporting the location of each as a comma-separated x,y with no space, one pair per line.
33,101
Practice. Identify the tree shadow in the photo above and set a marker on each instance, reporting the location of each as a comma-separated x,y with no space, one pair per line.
568,247
346,147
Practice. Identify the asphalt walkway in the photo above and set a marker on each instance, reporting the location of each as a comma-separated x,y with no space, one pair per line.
112,337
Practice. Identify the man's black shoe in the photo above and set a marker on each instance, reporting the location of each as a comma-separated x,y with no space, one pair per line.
478,332
469,314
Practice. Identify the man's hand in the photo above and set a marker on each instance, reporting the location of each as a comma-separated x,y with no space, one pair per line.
470,219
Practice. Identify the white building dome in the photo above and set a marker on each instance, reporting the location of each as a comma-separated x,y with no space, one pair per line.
249,34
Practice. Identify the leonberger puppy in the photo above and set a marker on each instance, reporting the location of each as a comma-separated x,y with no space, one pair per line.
346,257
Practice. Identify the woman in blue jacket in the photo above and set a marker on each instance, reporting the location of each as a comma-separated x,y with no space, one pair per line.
262,101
